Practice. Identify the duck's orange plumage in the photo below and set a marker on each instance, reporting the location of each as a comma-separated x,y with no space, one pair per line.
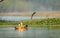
20,28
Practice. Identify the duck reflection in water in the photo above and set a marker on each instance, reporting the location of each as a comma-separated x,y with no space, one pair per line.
21,27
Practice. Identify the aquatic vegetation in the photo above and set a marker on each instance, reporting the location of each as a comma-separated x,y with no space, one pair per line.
34,22
47,21
5,22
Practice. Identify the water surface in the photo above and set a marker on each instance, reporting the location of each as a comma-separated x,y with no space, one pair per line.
17,18
32,32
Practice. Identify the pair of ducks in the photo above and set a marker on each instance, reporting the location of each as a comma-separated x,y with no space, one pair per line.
21,27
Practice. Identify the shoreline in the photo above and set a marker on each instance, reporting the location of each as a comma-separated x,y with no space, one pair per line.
49,22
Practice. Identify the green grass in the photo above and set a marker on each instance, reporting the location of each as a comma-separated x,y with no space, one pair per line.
5,22
48,22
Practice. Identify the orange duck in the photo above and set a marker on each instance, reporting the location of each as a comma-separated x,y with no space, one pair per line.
21,27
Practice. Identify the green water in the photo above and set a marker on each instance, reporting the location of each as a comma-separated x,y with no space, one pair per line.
32,32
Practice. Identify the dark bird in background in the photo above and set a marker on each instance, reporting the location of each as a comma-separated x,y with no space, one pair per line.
33,14
1,0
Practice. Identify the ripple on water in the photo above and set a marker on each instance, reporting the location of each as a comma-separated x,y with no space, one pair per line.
10,32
